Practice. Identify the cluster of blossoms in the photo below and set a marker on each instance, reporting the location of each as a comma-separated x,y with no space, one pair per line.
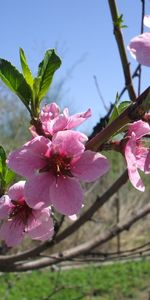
53,165
138,156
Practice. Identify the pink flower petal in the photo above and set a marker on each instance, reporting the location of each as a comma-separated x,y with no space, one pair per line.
146,21
12,233
66,112
49,112
68,143
5,206
147,163
16,191
139,48
37,189
140,128
90,166
40,225
73,217
26,160
134,176
66,196
59,124
141,159
78,119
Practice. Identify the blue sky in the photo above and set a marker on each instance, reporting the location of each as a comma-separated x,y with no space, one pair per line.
82,31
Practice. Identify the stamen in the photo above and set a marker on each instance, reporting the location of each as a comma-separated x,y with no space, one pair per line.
58,165
20,211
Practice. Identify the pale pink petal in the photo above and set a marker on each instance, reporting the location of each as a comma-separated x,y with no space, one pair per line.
146,21
53,126
66,196
43,231
37,189
66,112
12,232
90,166
37,217
139,48
135,178
69,143
59,124
140,128
130,152
73,217
78,119
16,191
147,163
5,206
49,112
29,158
48,127
40,225
141,159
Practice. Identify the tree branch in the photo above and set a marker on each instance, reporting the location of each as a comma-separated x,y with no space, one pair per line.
131,113
100,201
81,249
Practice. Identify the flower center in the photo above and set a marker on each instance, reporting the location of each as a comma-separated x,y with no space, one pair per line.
59,165
20,211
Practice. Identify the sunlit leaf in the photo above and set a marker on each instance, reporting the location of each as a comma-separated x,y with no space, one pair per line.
114,115
47,68
15,81
123,105
118,110
9,176
25,68
2,160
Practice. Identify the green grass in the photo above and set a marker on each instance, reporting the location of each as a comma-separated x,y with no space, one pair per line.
116,282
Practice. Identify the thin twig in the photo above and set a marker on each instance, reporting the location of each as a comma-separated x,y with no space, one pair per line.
122,51
100,94
135,74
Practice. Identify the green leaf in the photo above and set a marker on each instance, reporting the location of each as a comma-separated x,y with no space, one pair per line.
9,176
114,115
118,110
36,86
25,68
117,98
123,105
15,81
6,175
2,154
2,160
119,22
46,70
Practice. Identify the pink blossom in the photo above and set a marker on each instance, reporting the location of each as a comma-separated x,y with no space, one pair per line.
53,120
20,219
136,154
54,168
139,46
146,21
